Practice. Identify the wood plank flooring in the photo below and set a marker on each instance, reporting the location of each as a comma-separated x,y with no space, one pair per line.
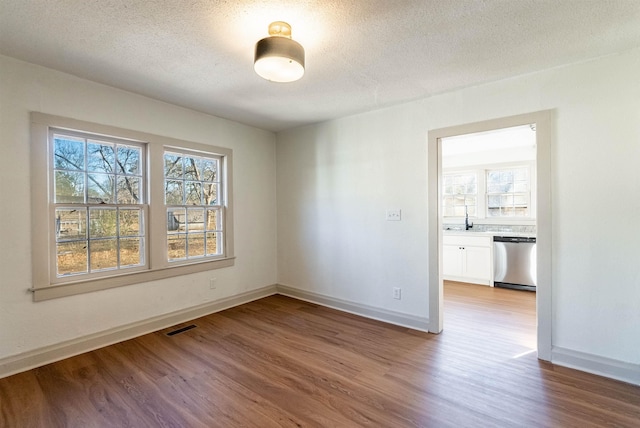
280,362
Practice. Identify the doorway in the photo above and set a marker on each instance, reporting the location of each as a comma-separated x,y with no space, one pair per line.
542,122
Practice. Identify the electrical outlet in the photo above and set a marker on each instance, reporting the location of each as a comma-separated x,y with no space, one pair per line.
394,214
212,283
397,293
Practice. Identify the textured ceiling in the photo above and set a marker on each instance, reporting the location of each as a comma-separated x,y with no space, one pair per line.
360,54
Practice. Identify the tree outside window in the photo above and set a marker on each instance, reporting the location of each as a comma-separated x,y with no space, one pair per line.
194,206
97,194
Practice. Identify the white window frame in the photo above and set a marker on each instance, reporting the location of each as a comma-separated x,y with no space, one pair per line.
482,214
219,206
526,194
143,206
44,286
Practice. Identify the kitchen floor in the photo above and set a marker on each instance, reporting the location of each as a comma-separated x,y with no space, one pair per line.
498,322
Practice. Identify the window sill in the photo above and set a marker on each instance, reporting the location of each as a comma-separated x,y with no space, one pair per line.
87,286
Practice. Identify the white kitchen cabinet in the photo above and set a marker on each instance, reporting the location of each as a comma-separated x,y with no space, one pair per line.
467,259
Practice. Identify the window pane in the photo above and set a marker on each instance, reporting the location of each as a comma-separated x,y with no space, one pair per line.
128,190
131,250
194,193
463,188
521,174
173,193
493,177
192,168
100,157
129,160
214,220
103,254
214,243
71,258
195,244
209,170
521,187
173,166
69,187
100,188
195,219
102,222
211,194
459,211
175,219
177,246
130,222
520,200
495,188
68,153
71,224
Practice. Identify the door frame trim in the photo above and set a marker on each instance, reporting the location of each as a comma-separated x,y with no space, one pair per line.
544,133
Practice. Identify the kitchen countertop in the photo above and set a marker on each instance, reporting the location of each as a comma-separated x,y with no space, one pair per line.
472,232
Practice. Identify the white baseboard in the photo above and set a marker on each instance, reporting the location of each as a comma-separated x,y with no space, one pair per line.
607,367
391,317
602,366
59,351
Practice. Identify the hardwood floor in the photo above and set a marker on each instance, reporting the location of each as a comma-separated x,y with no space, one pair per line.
280,362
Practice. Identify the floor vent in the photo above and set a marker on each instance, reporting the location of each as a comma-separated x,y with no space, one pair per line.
181,330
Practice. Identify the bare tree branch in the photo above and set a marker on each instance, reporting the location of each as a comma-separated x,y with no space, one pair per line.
96,182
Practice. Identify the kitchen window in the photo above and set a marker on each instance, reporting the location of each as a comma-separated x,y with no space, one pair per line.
490,193
508,192
114,207
460,194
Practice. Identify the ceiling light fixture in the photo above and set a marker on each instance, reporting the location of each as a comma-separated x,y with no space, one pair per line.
278,58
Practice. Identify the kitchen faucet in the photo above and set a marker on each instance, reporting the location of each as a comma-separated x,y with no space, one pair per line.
467,225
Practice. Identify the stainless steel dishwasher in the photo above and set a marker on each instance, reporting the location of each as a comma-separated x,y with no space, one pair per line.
514,262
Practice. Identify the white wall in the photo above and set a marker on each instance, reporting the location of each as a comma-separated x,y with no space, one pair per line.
25,325
334,183
335,180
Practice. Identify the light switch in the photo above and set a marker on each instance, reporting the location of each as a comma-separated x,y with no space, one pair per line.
394,214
